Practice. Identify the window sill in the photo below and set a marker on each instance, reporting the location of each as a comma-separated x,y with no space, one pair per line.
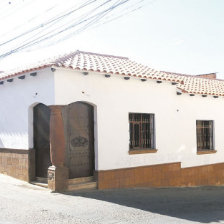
206,152
141,151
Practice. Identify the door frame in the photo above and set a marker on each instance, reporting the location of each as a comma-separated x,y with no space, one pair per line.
95,134
33,135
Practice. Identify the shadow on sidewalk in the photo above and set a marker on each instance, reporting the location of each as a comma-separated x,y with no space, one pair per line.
201,204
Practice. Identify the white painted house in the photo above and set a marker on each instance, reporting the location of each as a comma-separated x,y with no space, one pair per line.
87,114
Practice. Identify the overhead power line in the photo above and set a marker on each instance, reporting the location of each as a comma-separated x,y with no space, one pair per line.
110,18
34,41
52,29
47,23
29,20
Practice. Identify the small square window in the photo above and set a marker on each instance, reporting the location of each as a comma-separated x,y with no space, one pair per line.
141,128
205,139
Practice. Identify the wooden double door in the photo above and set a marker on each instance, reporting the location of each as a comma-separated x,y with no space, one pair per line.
80,140
78,121
42,139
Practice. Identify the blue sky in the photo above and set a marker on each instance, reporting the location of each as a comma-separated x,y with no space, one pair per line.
185,36
174,35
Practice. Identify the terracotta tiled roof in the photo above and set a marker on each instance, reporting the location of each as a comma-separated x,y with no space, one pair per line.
23,69
200,85
115,65
86,61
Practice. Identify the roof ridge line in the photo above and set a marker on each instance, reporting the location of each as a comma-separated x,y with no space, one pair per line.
105,55
64,57
191,76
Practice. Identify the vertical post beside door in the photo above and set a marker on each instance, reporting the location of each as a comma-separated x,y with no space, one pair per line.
57,173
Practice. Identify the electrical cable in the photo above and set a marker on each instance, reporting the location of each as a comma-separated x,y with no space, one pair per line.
90,22
48,22
77,23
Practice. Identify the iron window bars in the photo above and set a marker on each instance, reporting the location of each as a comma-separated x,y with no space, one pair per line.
204,135
141,131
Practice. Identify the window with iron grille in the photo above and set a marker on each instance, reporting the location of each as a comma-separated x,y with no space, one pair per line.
141,131
204,135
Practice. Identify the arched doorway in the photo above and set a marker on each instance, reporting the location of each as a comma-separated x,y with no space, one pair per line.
41,121
80,139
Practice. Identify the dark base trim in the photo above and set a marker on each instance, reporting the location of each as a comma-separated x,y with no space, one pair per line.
17,151
163,175
18,163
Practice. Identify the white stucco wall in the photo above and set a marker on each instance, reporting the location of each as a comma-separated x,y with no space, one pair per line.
175,118
114,98
17,99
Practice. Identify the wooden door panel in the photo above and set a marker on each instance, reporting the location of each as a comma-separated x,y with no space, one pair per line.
80,140
42,139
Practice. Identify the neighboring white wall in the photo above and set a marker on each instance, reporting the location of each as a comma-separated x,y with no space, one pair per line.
175,118
17,99
199,108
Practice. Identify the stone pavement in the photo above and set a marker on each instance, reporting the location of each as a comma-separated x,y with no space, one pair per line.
23,203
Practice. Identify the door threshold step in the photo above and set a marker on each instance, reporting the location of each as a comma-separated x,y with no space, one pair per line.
42,179
80,180
82,186
45,185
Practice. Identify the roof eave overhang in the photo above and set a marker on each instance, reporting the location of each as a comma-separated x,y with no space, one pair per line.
12,75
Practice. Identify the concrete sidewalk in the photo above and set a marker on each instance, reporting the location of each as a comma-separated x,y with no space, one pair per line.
24,203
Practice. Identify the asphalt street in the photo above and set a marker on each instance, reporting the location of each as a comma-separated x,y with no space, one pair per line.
23,203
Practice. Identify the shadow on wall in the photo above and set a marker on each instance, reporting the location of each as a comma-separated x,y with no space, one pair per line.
1,144
201,204
13,139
